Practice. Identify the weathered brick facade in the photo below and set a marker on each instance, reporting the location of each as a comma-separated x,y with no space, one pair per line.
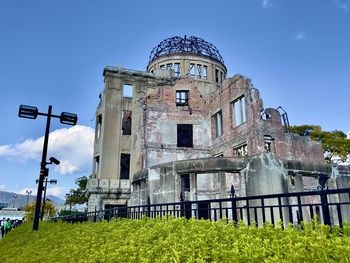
193,131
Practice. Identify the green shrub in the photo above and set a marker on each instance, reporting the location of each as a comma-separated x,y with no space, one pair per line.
174,240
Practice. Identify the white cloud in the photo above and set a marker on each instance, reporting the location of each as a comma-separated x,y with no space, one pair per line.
57,191
342,4
2,187
266,4
72,146
299,36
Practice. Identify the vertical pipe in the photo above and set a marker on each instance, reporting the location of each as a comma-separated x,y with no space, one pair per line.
44,201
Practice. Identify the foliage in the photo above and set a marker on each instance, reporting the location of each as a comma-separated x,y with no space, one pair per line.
174,240
334,143
30,209
78,196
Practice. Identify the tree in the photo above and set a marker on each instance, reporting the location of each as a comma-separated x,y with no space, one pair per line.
335,143
78,196
30,209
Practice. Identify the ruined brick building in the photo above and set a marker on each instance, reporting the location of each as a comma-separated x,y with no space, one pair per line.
184,127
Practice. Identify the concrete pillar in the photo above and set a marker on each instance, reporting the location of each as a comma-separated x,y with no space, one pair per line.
265,174
136,135
340,179
112,126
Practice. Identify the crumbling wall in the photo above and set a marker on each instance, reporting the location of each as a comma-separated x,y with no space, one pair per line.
162,117
262,130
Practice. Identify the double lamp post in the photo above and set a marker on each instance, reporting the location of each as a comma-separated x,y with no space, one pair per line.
31,112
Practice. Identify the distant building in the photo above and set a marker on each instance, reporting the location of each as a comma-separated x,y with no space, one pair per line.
11,213
184,127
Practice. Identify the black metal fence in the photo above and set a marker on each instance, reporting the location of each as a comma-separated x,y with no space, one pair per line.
330,207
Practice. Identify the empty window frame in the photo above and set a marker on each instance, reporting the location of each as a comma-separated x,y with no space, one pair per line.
97,165
217,120
169,66
205,72
239,111
268,143
240,150
126,123
185,135
127,90
124,166
177,69
185,183
217,75
98,126
162,67
199,71
192,70
182,98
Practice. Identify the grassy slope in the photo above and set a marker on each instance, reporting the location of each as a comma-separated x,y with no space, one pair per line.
176,240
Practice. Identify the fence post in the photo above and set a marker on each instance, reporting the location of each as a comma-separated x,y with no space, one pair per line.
233,204
325,207
182,206
126,209
148,207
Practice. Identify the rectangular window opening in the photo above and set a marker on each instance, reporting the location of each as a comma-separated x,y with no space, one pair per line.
184,135
177,69
98,126
185,183
205,72
182,98
217,75
97,165
169,66
126,123
127,91
268,142
217,119
239,111
199,71
124,166
240,150
162,67
192,70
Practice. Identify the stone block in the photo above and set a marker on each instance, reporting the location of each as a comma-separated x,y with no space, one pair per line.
104,183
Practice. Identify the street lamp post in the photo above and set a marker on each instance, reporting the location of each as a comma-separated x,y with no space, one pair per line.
52,181
31,112
28,192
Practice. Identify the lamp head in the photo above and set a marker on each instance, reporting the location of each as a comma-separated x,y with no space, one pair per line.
28,112
54,160
53,181
68,118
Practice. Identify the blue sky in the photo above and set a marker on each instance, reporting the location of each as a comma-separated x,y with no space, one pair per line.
296,52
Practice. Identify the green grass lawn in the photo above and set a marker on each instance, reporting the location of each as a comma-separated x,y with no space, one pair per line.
173,240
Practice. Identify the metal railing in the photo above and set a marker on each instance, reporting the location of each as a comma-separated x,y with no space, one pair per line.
330,207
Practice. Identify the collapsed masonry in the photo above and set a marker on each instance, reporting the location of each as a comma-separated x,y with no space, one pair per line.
184,127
